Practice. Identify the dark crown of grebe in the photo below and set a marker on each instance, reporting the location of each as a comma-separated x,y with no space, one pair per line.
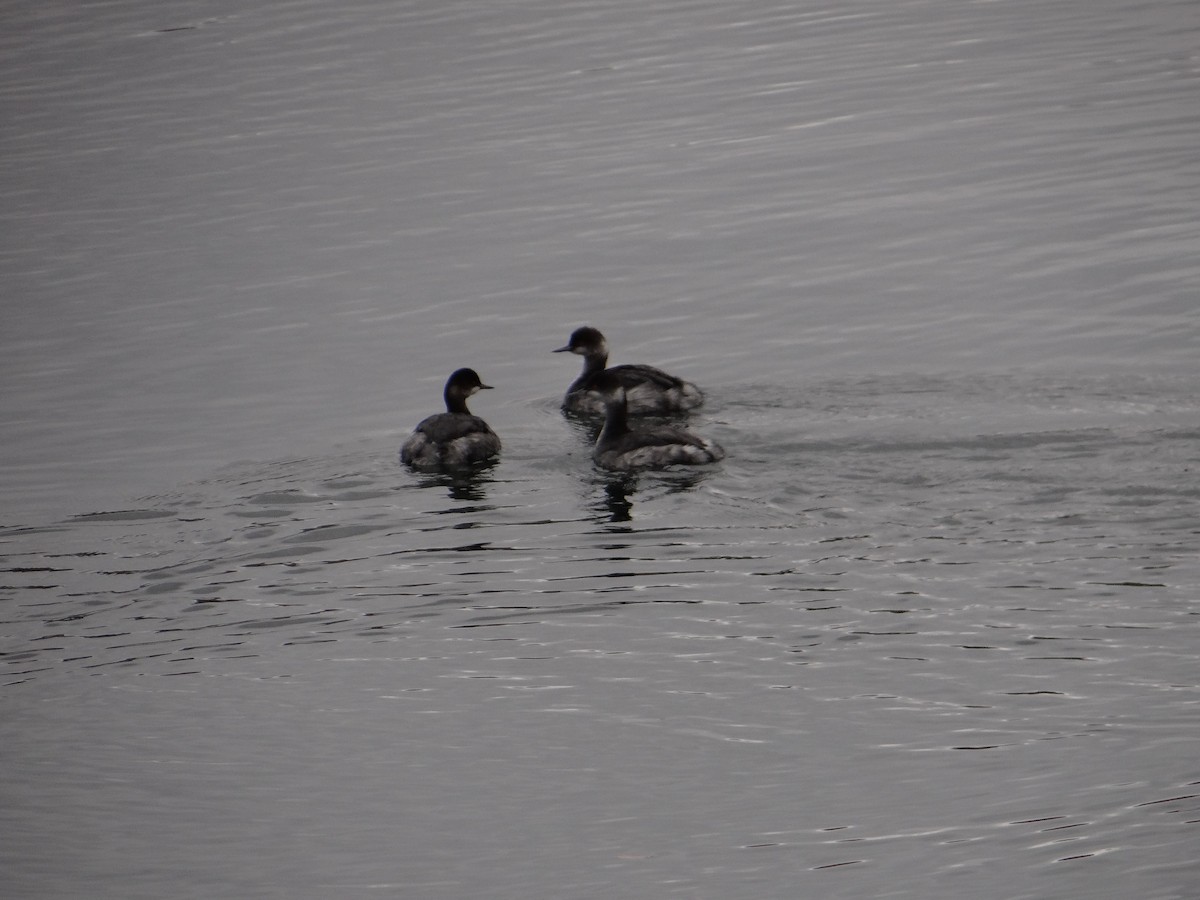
461,384
586,341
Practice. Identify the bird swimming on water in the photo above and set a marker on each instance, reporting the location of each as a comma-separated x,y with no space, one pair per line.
456,437
624,449
648,391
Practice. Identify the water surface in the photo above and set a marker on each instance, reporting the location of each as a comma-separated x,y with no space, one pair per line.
925,632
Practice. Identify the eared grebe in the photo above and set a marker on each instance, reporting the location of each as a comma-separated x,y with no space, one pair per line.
622,448
455,437
648,391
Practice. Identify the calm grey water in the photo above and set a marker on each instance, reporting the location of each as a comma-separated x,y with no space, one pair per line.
928,632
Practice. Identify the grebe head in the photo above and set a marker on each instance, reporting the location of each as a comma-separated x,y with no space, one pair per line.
585,341
461,385
465,382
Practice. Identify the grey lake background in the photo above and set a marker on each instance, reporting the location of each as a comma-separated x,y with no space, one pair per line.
928,632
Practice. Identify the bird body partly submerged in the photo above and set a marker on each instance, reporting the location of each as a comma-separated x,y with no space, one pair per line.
456,437
624,449
648,391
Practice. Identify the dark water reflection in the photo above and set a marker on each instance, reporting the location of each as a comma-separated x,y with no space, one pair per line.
469,484
620,489
617,504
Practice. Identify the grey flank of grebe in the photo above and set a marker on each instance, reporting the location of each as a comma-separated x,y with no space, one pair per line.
648,391
455,437
625,449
